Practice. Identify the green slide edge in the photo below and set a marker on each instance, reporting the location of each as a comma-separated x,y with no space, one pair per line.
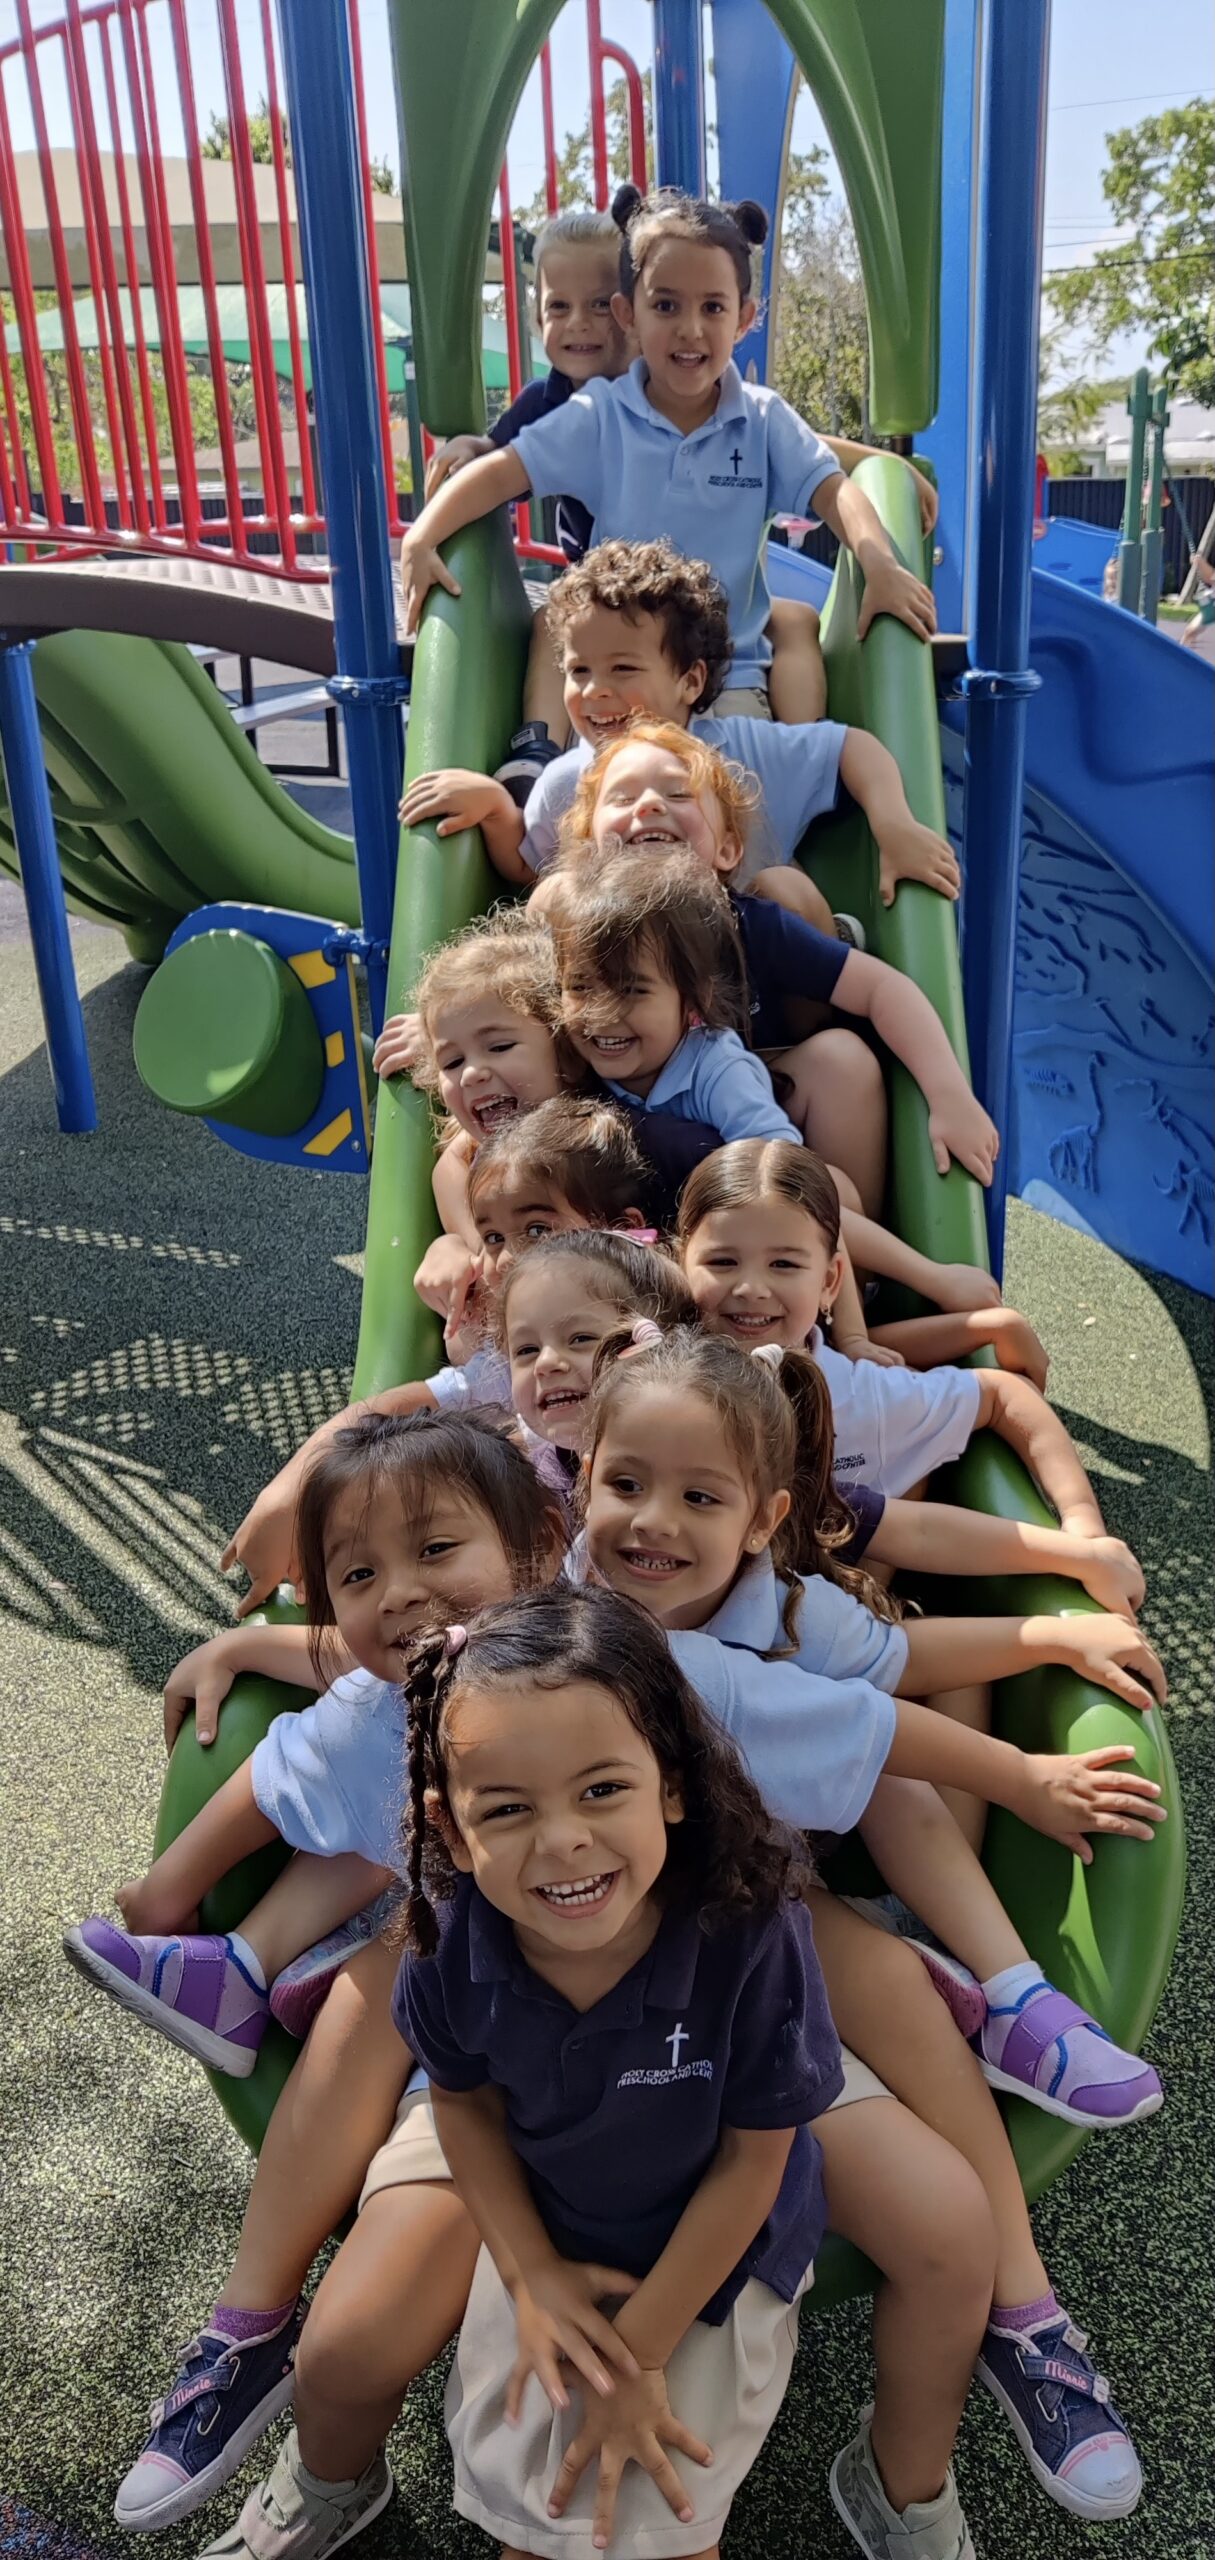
1104,1933
161,803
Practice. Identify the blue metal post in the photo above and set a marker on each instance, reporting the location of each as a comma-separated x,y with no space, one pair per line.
950,439
341,319
755,84
34,831
679,95
1013,164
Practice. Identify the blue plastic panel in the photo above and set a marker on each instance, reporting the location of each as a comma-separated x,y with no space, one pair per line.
337,1138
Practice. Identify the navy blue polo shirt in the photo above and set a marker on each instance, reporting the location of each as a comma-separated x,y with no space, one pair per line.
617,2111
866,1508
575,527
787,958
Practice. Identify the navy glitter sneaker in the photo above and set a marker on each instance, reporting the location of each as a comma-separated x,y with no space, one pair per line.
1062,2415
530,750
223,2398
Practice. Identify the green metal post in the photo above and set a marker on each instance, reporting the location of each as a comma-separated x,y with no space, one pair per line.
1130,557
1153,532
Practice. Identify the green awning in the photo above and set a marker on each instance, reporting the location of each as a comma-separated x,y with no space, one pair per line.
233,316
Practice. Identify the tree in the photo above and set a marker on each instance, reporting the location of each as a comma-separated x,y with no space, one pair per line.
820,361
59,403
217,145
575,159
1160,180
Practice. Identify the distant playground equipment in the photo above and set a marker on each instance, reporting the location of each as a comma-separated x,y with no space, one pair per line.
936,117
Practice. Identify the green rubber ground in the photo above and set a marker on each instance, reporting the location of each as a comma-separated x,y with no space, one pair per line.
161,1352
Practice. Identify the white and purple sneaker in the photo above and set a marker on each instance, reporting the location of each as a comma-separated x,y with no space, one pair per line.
301,1988
224,2395
195,1991
1060,2409
1041,2046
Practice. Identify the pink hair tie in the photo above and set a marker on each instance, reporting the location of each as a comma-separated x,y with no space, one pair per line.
770,1353
457,1638
645,1331
632,1235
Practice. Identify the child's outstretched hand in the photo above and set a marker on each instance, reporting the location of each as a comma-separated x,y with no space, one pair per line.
639,2425
889,588
908,851
959,1126
1112,1576
1068,1794
1112,1651
961,1289
557,2315
399,1046
859,1346
422,567
202,1681
456,799
458,450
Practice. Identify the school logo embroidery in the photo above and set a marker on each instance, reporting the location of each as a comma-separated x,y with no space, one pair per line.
678,2070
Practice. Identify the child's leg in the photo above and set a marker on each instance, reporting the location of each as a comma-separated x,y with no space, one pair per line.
543,685
785,884
797,678
839,1104
907,2200
393,2297
311,1897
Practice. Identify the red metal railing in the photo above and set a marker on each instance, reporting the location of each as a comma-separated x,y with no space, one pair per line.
98,441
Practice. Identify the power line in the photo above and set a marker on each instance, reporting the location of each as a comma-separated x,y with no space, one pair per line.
1168,258
1143,98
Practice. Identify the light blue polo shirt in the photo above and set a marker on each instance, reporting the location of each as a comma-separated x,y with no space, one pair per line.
711,1077
797,769
713,494
837,1637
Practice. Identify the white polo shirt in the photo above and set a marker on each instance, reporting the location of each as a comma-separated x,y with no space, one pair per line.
893,1426
713,493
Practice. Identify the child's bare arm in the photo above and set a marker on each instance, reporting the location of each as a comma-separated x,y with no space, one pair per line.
1064,1794
455,799
449,1183
203,1678
903,1017
953,1653
954,1286
889,588
939,1537
1010,1406
474,492
848,454
230,1827
906,850
926,1342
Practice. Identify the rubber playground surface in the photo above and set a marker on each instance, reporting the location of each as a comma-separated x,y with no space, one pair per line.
175,1319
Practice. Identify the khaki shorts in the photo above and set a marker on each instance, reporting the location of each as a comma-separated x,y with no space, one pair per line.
859,2082
726,2384
742,702
413,2150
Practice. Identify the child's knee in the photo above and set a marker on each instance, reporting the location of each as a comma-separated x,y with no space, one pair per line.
851,1065
792,625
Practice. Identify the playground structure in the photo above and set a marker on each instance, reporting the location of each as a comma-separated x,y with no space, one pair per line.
163,822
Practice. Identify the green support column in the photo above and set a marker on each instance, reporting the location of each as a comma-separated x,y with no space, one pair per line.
458,85
1153,531
1130,557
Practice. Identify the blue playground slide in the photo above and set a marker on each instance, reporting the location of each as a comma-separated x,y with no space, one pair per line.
1112,1040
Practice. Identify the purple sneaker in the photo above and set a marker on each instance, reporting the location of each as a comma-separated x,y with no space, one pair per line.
195,1991
222,2399
302,1987
1042,2047
1062,2415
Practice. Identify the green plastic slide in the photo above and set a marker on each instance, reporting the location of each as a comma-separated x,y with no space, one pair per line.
1105,1933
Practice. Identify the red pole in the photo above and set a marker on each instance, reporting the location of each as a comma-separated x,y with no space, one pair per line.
115,368
24,305
159,235
283,200
510,292
599,150
134,289
636,94
77,381
552,191
261,345
396,522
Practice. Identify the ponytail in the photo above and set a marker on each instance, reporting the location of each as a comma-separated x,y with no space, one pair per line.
819,1524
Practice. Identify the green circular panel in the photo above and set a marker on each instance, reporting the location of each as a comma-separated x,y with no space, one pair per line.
224,1030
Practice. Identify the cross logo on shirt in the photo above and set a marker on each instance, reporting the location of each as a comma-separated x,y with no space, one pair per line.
736,460
676,2041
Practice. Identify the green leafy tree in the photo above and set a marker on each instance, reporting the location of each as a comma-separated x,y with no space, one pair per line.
820,360
575,159
217,145
1159,180
204,422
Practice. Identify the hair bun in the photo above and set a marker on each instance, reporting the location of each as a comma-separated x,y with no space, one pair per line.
752,221
625,203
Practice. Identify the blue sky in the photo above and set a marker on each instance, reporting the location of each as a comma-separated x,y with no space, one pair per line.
1111,61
